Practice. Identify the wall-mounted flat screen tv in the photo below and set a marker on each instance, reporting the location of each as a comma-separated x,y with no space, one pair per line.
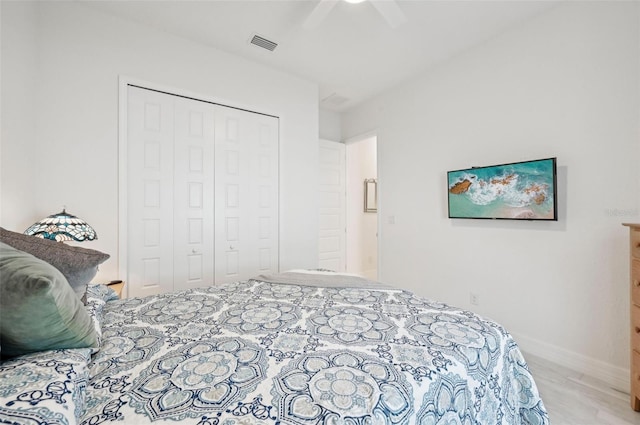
517,191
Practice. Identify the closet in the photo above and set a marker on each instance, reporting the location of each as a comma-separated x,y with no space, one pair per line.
202,193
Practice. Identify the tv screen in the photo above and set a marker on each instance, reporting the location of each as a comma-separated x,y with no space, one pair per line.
517,191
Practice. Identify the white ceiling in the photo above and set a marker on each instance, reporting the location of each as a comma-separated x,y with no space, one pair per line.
353,53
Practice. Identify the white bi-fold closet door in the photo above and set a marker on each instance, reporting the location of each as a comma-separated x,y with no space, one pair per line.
202,193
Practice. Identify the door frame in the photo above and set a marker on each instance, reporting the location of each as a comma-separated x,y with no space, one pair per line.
124,82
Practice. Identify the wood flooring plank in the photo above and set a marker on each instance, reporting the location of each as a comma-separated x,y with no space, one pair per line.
572,398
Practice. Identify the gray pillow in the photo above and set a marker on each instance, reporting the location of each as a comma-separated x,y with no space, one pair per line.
78,265
38,309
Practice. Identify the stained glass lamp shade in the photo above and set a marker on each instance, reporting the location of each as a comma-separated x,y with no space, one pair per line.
62,227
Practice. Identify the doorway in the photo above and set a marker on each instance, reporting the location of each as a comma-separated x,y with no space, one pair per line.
361,211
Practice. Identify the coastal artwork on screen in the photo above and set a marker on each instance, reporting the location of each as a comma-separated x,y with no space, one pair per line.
518,191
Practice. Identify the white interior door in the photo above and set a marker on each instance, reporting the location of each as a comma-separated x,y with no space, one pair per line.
332,213
193,185
246,175
202,193
150,192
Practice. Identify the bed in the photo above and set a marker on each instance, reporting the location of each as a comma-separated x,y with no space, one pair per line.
292,348
296,348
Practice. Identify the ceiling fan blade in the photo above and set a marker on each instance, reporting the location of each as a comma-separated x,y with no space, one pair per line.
390,11
319,13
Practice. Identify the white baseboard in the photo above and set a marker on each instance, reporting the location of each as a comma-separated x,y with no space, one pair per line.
616,377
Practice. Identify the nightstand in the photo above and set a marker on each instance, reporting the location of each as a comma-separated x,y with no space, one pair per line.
117,286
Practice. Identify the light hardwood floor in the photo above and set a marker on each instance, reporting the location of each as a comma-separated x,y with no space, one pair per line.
572,398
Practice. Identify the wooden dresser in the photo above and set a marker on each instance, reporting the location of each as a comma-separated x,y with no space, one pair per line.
634,250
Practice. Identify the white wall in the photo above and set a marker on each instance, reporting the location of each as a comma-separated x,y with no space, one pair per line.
330,125
81,53
362,228
565,84
19,120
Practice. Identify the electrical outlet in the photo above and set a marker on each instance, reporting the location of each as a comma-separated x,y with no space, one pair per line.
474,298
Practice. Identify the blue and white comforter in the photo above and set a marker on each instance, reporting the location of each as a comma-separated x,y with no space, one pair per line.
266,353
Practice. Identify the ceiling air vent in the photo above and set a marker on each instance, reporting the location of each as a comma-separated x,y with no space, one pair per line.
334,99
263,42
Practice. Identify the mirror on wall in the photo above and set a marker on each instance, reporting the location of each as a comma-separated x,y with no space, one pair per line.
370,195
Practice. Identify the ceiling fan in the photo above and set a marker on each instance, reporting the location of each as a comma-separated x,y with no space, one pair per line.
389,10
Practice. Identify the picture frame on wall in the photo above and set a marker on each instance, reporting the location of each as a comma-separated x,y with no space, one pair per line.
525,190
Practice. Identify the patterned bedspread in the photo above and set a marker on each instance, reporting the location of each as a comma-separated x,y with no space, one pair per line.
263,353
266,353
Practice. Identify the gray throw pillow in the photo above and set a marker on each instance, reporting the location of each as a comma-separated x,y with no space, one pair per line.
38,309
78,265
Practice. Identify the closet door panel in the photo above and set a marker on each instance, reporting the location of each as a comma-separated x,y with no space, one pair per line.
264,185
193,194
246,173
150,192
231,180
